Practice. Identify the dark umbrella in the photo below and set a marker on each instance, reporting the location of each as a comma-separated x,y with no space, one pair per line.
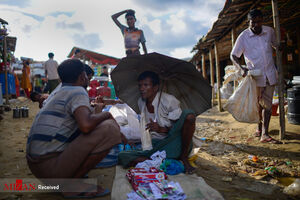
178,77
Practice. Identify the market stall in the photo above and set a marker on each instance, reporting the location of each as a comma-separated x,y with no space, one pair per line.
7,48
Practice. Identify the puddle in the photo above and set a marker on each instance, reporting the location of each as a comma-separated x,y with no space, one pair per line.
286,181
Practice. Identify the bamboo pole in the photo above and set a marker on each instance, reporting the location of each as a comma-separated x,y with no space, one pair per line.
280,71
203,66
233,38
212,78
218,77
5,70
298,43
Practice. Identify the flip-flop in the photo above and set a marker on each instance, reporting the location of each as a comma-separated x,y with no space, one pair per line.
83,195
257,133
271,140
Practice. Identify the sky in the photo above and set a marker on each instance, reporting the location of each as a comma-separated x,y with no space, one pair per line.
171,27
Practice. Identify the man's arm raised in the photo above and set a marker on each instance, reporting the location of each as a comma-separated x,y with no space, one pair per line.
115,17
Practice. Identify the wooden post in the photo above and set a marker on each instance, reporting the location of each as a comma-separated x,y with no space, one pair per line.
280,71
298,43
5,70
203,66
233,37
212,78
218,77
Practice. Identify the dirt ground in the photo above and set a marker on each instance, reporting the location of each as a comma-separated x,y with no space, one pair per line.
222,159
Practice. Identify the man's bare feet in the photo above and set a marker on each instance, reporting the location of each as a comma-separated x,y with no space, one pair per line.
187,166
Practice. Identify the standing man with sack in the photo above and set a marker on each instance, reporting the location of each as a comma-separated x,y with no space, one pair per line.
256,44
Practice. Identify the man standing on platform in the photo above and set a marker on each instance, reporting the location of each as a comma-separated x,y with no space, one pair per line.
51,74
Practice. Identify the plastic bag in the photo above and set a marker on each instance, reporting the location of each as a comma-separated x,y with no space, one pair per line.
243,103
128,121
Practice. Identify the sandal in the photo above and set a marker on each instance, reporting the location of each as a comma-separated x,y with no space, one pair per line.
271,140
257,133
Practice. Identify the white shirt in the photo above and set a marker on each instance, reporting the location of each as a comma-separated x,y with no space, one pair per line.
165,114
51,67
257,50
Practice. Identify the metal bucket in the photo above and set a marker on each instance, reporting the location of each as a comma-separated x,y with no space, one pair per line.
293,97
16,112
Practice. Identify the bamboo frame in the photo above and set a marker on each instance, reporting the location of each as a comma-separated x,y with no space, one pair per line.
212,78
280,71
218,77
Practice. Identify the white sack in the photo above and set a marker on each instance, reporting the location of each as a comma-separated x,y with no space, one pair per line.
243,103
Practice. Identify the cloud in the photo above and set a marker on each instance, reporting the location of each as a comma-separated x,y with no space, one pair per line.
165,4
57,13
171,27
18,3
36,17
64,25
87,41
27,28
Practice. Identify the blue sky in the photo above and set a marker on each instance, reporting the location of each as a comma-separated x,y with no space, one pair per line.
171,27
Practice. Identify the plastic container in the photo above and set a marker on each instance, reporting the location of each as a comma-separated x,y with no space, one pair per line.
294,105
146,140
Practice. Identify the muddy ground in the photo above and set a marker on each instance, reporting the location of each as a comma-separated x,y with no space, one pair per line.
222,160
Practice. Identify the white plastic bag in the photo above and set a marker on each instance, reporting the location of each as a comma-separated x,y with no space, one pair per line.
128,121
243,102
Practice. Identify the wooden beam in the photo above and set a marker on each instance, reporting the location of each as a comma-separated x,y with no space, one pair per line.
212,78
298,43
280,71
218,77
5,70
203,66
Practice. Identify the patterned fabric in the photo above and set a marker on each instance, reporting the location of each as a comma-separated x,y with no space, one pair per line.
55,126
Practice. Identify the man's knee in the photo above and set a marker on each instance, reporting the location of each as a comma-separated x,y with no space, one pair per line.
190,118
108,127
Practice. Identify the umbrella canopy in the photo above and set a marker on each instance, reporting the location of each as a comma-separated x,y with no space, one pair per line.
178,77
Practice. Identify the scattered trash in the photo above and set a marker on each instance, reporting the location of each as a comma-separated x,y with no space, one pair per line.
259,173
288,163
271,170
172,167
253,158
227,179
293,189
